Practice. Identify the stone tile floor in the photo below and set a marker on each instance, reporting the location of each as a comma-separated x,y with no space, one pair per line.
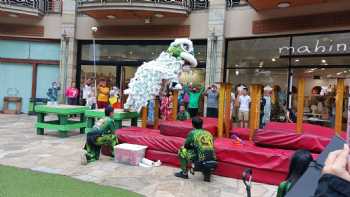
21,147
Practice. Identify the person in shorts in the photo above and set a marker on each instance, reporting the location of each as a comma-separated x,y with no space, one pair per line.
243,112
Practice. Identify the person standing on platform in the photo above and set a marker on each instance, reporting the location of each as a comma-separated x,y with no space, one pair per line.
72,94
103,92
198,147
266,106
101,134
165,106
183,114
212,101
194,94
86,91
243,112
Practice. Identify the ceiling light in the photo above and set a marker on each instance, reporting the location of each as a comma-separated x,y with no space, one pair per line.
111,17
324,61
323,69
237,65
345,71
339,73
13,15
237,72
147,20
159,15
94,29
273,59
297,60
261,64
283,5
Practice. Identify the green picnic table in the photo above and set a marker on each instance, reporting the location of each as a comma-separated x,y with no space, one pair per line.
118,117
63,124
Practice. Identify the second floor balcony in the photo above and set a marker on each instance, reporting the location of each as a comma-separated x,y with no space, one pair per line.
103,9
31,8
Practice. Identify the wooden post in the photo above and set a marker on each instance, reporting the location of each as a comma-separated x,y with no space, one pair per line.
221,110
254,115
227,116
300,106
175,104
144,117
339,106
156,113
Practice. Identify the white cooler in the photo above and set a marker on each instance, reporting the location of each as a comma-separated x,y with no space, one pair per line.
129,153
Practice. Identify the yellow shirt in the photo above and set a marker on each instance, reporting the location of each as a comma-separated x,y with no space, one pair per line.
103,94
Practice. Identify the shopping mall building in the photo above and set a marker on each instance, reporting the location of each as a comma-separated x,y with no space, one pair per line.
271,42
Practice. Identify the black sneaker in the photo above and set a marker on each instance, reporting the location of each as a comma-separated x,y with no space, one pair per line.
181,175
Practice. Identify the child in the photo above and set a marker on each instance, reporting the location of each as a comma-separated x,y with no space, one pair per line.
52,93
298,165
72,94
183,114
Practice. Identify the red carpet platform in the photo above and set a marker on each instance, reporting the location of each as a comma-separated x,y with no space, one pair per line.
269,165
182,128
283,135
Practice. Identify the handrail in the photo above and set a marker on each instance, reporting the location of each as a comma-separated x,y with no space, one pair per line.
236,3
189,4
43,6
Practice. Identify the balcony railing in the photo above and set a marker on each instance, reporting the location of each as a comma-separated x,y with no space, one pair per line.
41,6
185,4
236,3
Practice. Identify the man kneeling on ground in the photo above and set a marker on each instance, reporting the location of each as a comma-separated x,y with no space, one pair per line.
101,134
198,147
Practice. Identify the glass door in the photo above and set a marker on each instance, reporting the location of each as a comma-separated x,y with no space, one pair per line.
107,72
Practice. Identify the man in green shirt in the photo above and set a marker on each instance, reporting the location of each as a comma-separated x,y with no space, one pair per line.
195,94
101,134
198,147
183,114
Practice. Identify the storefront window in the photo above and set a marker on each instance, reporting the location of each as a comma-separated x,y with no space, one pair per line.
320,94
321,59
257,53
133,52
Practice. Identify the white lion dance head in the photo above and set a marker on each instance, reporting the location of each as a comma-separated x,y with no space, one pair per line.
150,76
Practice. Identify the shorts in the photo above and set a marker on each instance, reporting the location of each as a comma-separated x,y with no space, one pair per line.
243,115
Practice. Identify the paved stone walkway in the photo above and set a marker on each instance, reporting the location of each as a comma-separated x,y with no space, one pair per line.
21,147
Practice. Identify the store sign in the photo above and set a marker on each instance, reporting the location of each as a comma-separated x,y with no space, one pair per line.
318,48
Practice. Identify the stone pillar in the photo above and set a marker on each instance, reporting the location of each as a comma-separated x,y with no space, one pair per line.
68,46
215,43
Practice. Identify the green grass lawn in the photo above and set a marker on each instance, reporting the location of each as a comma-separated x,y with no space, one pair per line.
15,182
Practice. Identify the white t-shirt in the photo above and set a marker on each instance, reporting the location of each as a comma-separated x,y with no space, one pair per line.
86,91
244,103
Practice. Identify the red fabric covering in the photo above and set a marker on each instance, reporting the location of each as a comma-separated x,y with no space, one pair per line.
307,128
182,128
242,133
151,138
249,155
283,135
269,165
223,169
